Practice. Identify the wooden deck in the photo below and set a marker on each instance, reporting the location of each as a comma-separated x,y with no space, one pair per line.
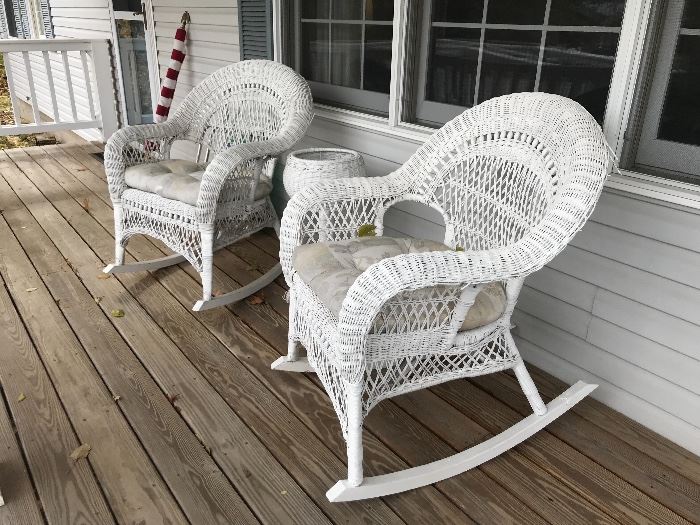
187,423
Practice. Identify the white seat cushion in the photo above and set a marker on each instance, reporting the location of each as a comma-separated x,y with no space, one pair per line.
176,179
330,269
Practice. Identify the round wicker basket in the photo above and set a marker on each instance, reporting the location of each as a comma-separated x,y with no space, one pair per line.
308,166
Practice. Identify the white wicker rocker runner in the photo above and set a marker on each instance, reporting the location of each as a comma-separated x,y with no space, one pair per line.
514,178
246,114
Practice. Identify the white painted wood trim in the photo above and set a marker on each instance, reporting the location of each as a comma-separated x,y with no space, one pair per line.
240,293
412,478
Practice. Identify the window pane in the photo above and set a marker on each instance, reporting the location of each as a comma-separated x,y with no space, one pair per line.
315,8
515,12
579,66
346,55
679,118
314,51
126,5
454,53
458,10
347,10
377,67
606,13
379,10
509,63
691,15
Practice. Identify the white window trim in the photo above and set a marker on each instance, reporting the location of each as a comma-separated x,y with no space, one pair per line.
623,84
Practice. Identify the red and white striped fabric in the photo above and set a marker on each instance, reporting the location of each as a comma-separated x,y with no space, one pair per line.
167,88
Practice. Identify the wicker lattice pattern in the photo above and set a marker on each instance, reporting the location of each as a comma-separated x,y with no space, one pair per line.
245,114
308,166
514,178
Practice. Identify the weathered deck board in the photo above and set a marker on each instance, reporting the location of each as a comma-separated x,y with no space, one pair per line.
23,377
225,372
227,438
265,486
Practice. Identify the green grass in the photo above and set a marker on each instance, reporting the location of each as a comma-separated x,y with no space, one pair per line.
6,117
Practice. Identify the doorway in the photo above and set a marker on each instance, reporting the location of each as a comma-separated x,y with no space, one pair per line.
136,59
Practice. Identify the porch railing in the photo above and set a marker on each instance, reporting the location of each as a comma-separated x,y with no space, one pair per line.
67,80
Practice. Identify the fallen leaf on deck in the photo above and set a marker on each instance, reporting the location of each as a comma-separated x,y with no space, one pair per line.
81,452
256,299
116,398
98,299
117,313
104,276
32,289
173,397
85,203
21,397
217,293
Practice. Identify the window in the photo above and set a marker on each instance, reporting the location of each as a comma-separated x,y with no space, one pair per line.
17,18
475,50
343,48
669,143
632,63
8,25
40,18
25,19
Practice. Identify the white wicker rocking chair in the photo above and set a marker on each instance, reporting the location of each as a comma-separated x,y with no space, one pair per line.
514,178
246,114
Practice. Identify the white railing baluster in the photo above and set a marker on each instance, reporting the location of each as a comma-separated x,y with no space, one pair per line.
69,82
32,88
96,64
52,87
88,84
11,89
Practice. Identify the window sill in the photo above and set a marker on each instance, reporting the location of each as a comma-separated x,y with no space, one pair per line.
648,187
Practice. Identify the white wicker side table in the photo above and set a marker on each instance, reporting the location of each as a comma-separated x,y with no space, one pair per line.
307,166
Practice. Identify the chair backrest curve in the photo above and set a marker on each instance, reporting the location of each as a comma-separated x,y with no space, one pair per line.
498,169
249,101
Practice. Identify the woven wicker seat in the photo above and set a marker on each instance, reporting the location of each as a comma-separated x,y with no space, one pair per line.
245,114
514,179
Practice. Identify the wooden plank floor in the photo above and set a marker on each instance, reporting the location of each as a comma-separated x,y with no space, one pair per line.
186,423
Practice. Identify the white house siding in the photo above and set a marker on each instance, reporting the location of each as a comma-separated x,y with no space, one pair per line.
619,307
85,19
212,42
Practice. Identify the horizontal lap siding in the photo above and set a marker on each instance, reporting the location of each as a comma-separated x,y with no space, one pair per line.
212,43
619,307
71,19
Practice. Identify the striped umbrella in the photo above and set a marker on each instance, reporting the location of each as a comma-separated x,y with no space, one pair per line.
167,88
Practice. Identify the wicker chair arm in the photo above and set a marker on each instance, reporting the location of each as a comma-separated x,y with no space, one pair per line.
228,165
333,210
128,146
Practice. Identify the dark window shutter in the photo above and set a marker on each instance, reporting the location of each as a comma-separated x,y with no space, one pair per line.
46,18
21,19
255,28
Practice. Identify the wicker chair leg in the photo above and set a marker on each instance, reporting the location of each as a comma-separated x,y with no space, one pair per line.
354,439
207,239
530,390
292,362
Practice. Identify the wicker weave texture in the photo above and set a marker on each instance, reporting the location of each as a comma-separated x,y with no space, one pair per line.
312,165
514,179
246,114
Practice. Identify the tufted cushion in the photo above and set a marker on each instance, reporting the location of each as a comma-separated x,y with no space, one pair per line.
330,269
176,179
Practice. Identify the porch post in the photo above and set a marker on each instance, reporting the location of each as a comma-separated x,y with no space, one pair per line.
106,95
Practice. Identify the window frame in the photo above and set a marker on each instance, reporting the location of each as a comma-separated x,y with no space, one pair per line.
623,86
